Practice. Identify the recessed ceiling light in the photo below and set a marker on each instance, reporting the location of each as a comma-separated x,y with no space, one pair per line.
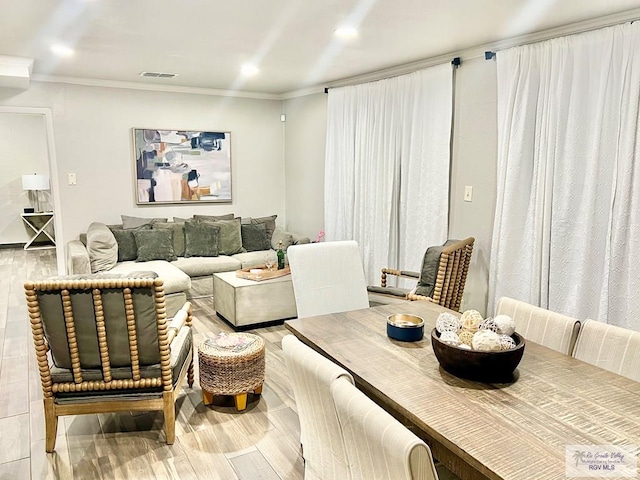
62,50
346,32
249,70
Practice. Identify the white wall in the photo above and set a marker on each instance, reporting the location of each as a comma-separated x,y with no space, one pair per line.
305,137
93,138
474,157
24,151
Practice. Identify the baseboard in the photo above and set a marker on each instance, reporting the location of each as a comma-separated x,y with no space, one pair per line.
12,245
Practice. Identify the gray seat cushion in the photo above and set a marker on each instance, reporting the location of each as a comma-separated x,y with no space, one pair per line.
180,351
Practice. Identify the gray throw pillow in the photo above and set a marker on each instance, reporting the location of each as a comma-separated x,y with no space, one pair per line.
213,218
254,237
178,235
269,223
154,245
429,270
201,239
127,247
279,235
230,235
135,222
102,247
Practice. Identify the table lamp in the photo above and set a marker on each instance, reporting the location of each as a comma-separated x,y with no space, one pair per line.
35,182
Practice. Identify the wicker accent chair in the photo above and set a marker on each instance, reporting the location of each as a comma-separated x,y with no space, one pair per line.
441,281
103,344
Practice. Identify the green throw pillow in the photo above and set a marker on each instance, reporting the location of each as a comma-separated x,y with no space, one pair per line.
213,218
254,237
129,222
201,239
127,247
230,235
269,223
154,245
178,235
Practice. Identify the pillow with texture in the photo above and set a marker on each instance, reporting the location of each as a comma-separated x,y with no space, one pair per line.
154,245
230,240
212,218
429,270
135,222
279,235
254,237
127,247
201,239
102,247
269,223
178,235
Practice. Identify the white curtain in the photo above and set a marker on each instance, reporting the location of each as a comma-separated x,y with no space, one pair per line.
387,167
567,224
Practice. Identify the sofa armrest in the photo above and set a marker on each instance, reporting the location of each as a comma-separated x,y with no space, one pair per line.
77,258
299,239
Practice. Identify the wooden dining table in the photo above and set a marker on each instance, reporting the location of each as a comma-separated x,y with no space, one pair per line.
518,430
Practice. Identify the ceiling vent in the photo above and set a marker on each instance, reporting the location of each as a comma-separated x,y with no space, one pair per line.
158,74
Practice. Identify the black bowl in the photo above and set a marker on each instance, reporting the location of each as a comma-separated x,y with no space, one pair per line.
493,367
405,327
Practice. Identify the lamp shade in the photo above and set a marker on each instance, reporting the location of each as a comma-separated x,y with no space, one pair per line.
35,182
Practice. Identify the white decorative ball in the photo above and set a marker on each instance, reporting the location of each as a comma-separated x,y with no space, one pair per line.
506,342
465,337
464,346
450,338
488,324
470,320
447,322
506,325
486,341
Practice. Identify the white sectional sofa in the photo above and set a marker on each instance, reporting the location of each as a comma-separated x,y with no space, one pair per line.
184,277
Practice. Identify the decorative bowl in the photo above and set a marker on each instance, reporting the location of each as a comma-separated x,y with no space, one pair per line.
492,367
405,327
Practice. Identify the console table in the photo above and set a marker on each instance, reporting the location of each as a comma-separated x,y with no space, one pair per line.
38,223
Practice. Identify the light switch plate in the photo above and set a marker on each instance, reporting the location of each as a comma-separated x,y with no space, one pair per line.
71,179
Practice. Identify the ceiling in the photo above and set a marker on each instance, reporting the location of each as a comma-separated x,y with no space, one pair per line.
291,41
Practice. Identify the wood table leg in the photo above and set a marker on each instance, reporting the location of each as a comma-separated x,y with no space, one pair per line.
241,401
258,390
207,398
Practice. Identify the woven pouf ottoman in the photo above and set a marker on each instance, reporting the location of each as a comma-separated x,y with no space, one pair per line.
231,364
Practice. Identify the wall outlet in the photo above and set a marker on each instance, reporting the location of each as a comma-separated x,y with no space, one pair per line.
468,193
71,179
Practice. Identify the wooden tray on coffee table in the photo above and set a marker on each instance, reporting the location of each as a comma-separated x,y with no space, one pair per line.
264,274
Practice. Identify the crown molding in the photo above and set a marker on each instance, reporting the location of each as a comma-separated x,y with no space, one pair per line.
95,82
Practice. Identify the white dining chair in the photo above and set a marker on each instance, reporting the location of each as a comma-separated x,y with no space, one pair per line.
377,445
311,376
327,278
610,347
551,329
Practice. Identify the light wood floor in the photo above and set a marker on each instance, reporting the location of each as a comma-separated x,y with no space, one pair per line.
211,442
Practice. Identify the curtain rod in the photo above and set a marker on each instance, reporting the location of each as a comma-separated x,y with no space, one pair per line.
491,48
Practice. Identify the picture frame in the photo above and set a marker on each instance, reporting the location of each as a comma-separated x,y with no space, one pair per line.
181,166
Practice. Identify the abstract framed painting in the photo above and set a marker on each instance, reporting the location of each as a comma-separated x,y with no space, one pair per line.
182,166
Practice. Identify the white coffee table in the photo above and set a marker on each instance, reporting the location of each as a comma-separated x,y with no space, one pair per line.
247,302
